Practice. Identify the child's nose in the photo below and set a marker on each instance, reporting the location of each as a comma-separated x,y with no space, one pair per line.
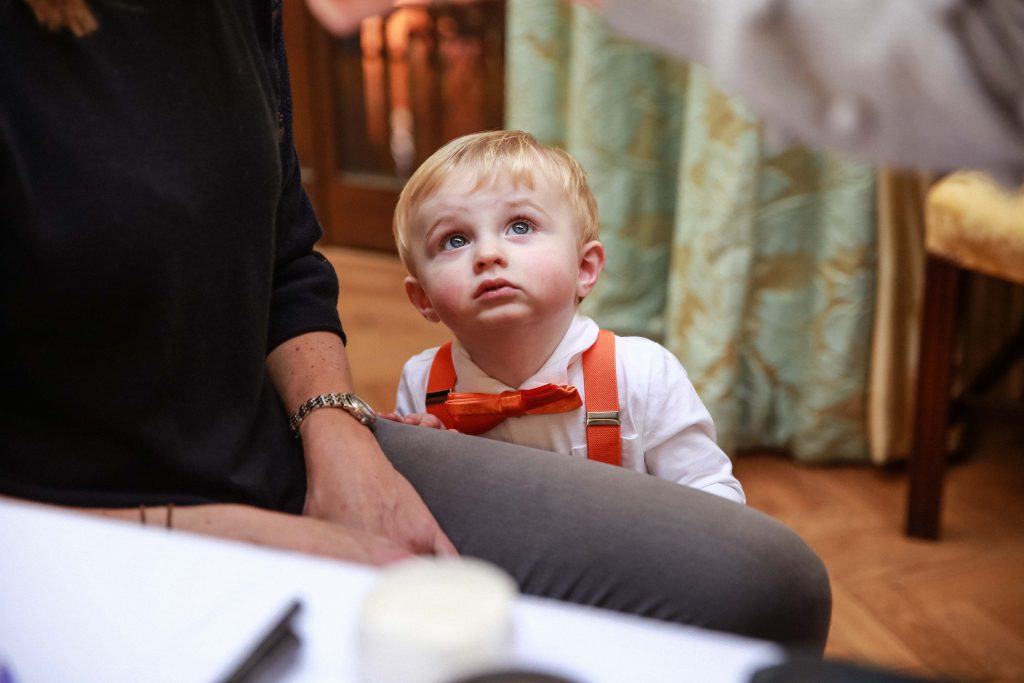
489,253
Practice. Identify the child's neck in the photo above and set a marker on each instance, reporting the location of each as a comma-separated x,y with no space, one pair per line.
511,356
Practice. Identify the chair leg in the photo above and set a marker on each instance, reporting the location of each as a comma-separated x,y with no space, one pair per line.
931,422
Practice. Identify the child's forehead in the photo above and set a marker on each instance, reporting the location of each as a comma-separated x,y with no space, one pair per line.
477,177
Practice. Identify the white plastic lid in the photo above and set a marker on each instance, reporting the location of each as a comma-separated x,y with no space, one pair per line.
433,620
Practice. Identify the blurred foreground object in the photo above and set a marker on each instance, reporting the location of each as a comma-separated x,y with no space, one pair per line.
429,621
936,85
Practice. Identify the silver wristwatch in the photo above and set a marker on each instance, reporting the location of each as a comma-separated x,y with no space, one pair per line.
352,404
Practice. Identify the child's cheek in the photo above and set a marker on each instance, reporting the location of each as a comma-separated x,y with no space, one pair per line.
551,274
449,288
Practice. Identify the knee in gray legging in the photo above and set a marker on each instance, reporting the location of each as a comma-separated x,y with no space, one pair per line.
597,535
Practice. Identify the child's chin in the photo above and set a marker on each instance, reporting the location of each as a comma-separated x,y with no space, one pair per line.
506,316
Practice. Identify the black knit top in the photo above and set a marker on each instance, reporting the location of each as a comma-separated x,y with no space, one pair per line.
155,245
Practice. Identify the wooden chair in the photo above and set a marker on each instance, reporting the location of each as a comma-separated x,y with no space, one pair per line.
971,223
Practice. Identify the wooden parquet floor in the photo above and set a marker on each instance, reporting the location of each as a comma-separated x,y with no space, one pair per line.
952,609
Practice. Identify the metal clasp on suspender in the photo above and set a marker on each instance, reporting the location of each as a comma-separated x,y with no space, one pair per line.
437,397
608,418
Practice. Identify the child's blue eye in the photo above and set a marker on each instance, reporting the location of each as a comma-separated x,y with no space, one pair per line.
454,242
520,228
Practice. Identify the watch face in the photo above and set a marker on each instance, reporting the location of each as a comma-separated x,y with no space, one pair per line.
362,410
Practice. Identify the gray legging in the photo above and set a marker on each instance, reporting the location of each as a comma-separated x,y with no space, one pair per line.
575,530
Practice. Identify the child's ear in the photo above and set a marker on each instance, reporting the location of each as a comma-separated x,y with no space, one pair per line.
591,265
419,299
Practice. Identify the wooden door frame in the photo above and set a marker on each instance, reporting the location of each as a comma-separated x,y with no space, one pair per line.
344,208
354,208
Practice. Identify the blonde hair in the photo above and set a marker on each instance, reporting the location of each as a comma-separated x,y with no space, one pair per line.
512,153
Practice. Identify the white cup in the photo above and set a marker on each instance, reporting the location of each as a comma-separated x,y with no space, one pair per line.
436,620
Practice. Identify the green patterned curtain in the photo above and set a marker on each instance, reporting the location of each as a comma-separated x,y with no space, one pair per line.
754,266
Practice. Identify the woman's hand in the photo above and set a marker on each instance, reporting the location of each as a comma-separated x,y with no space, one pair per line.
342,17
310,535
269,528
351,481
416,419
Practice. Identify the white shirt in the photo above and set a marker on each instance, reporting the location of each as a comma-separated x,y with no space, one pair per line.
666,430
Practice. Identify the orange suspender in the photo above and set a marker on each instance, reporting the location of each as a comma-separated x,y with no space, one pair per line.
440,383
602,397
604,443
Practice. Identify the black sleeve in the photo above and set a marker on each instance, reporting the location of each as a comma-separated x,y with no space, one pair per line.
305,288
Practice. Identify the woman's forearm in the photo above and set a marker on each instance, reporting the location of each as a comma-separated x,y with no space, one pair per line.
350,480
308,365
261,527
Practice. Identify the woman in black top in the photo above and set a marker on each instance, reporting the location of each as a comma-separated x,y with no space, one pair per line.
163,313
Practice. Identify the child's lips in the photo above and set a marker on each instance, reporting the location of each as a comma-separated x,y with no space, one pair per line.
494,288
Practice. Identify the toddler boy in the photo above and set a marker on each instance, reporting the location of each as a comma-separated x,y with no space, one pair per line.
499,234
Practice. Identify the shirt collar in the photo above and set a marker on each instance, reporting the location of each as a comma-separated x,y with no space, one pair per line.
580,336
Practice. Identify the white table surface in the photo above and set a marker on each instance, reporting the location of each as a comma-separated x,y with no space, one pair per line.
89,599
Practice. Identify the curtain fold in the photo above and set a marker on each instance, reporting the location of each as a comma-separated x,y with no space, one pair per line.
755,266
893,375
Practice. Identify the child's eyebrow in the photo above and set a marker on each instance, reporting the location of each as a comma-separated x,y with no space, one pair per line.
519,203
439,224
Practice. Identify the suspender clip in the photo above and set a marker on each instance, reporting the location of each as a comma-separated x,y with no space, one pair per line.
437,397
608,418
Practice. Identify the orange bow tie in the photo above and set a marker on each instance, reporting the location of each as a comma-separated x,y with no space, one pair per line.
478,413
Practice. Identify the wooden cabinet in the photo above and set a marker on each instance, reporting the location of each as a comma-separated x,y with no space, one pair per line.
369,108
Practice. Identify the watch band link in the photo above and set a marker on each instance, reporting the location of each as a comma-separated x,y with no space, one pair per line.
339,400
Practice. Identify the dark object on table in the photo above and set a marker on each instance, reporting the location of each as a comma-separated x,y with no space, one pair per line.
817,671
